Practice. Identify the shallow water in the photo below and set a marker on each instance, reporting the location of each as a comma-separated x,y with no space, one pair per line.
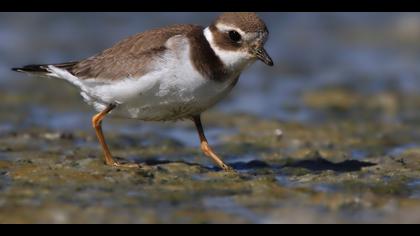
328,135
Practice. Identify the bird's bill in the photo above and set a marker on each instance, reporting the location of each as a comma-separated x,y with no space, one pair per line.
262,55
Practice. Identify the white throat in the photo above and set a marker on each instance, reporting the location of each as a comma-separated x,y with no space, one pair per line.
233,60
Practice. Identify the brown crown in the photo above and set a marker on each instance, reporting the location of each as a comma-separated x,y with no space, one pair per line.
246,21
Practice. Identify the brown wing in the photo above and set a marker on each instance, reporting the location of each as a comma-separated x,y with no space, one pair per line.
129,57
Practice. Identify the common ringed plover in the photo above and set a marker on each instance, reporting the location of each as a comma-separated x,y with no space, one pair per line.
166,74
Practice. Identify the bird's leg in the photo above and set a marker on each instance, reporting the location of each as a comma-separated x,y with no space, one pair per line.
97,125
205,146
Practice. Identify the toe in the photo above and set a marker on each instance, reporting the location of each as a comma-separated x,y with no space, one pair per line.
227,168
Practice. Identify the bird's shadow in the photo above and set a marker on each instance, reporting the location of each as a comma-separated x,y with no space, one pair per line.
314,163
156,161
321,164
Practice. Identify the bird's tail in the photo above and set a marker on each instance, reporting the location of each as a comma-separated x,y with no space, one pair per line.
60,71
44,69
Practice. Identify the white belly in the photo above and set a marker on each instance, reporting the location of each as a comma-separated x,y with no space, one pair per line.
169,98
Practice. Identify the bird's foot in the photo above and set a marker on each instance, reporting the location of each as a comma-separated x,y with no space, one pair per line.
227,168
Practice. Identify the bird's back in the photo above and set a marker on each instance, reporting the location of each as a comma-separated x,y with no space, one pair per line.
131,56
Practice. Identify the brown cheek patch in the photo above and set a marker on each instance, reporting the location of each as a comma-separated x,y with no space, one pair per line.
223,41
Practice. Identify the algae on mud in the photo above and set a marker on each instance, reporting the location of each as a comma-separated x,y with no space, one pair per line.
308,175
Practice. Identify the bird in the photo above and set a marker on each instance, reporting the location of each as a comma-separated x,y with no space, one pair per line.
171,73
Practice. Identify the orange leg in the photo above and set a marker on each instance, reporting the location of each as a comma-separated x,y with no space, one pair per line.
205,145
97,125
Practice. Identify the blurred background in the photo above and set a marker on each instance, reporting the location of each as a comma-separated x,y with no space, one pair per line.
369,54
343,95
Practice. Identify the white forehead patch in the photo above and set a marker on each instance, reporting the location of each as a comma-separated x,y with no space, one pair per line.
235,60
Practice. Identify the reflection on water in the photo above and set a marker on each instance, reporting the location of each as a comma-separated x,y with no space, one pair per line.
228,205
397,151
415,188
65,121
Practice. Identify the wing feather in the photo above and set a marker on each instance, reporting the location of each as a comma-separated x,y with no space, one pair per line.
131,56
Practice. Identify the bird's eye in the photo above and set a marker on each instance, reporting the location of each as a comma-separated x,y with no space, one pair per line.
234,36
